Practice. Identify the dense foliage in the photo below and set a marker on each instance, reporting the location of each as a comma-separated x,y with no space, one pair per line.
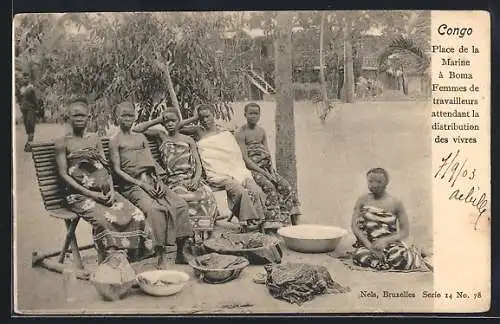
112,58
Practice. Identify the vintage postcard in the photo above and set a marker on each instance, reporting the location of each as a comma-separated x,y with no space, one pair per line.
251,162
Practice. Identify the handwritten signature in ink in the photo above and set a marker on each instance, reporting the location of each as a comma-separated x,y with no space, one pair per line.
452,168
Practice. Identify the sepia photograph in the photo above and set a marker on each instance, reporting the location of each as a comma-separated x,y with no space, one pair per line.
251,162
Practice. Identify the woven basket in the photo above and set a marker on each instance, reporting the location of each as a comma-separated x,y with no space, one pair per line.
217,276
270,252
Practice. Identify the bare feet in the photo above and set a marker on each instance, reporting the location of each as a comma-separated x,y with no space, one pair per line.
162,263
271,231
260,278
253,224
183,253
181,259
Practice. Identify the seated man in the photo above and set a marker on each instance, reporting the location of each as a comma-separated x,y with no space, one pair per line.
224,167
282,204
380,225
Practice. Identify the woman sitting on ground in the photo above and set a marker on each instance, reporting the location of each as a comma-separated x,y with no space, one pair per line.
117,225
381,227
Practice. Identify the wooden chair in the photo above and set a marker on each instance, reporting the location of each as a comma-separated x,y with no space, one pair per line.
52,192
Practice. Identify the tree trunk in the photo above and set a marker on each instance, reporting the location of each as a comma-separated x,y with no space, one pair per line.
171,91
334,74
357,61
286,163
404,82
322,69
348,69
173,96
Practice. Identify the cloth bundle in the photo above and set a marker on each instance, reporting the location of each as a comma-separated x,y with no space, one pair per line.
297,283
114,277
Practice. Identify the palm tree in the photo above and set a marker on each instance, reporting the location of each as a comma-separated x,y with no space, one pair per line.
410,54
284,120
406,47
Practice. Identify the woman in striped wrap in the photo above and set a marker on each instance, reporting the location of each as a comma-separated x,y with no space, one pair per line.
380,225
282,203
181,161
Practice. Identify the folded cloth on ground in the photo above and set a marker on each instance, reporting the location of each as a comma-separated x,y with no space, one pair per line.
245,241
219,261
297,283
239,241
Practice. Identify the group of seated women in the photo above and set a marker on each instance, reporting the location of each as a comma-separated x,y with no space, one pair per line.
152,204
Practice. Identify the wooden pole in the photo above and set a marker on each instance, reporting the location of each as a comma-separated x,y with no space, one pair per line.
322,69
284,120
348,62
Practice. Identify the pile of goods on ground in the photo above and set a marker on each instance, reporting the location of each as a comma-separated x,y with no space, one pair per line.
219,261
114,277
297,283
217,268
257,248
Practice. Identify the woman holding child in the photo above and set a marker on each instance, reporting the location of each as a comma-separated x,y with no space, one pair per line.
117,225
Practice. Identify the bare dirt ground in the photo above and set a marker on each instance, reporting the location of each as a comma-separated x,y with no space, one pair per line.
332,161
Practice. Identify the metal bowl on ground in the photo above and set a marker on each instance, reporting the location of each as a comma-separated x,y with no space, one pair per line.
215,276
310,238
162,282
